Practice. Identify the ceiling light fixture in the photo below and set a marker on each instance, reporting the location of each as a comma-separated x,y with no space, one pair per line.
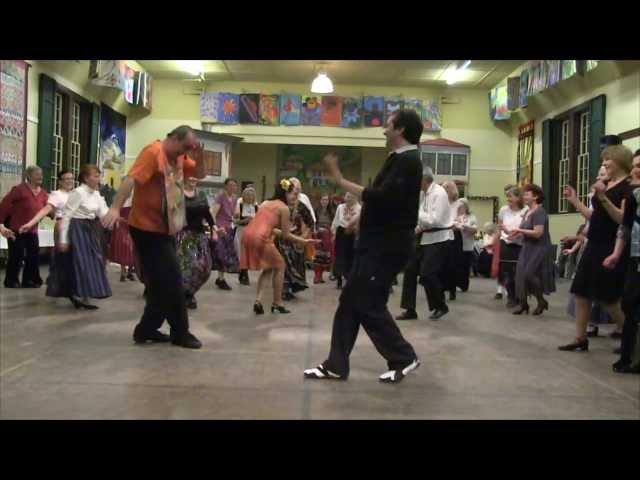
194,67
322,84
454,74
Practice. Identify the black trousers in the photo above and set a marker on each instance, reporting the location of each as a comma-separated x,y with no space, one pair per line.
435,259
165,299
463,270
364,302
410,280
26,247
449,272
631,308
509,254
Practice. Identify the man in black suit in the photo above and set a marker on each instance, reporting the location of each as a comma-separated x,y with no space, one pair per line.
387,236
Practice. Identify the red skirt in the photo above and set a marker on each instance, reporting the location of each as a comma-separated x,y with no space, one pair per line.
121,245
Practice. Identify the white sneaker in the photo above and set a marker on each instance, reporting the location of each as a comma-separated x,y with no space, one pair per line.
395,376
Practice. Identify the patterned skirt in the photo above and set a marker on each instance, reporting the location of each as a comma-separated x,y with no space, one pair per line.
88,259
324,251
121,245
194,258
295,272
225,258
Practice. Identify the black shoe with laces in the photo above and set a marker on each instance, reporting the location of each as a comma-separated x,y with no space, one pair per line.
408,315
439,313
151,337
188,340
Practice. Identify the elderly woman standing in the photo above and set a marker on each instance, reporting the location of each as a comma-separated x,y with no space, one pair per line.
225,251
82,235
510,217
535,273
322,261
344,228
467,226
246,209
58,283
18,207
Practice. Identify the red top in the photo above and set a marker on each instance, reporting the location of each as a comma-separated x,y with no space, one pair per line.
20,205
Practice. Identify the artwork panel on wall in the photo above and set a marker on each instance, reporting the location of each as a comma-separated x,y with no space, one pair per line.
524,88
352,112
310,110
373,111
113,135
553,72
431,116
269,110
290,106
501,103
13,122
209,107
108,73
331,111
392,105
249,104
228,108
569,68
513,93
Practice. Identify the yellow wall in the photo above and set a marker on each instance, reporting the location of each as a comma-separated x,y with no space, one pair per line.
177,102
619,81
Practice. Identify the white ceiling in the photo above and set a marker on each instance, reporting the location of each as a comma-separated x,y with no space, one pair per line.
481,74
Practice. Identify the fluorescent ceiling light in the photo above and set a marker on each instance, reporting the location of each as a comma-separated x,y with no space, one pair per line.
194,67
454,74
322,84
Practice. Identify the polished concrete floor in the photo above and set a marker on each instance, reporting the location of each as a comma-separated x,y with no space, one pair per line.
479,362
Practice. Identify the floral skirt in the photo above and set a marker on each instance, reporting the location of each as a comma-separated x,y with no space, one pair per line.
194,258
225,257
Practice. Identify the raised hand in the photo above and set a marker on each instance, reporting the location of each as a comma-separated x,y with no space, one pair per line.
331,163
570,193
599,187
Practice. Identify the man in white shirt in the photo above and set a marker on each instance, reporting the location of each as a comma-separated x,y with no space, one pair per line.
434,223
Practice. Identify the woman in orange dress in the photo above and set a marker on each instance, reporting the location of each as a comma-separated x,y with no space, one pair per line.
258,251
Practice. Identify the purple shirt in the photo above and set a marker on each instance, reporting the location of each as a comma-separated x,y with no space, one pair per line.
227,204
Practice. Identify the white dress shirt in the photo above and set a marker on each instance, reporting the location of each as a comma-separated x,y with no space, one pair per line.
83,204
344,215
58,199
406,148
435,212
453,212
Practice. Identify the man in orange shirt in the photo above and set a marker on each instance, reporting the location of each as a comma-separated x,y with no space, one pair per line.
157,213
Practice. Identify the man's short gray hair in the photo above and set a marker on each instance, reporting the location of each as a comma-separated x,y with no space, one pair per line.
29,171
428,173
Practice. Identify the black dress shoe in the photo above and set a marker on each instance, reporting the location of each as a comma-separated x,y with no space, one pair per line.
222,284
439,313
187,341
572,347
11,285
452,296
625,368
408,315
152,337
192,304
498,296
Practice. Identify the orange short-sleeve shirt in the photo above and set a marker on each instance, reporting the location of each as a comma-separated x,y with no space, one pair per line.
148,174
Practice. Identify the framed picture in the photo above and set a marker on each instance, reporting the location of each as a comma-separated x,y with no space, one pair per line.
217,155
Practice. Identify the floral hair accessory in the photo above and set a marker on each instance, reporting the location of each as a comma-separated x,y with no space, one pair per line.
285,184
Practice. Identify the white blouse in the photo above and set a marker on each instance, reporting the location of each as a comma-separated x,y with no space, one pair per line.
344,215
467,238
434,212
58,199
83,204
511,219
